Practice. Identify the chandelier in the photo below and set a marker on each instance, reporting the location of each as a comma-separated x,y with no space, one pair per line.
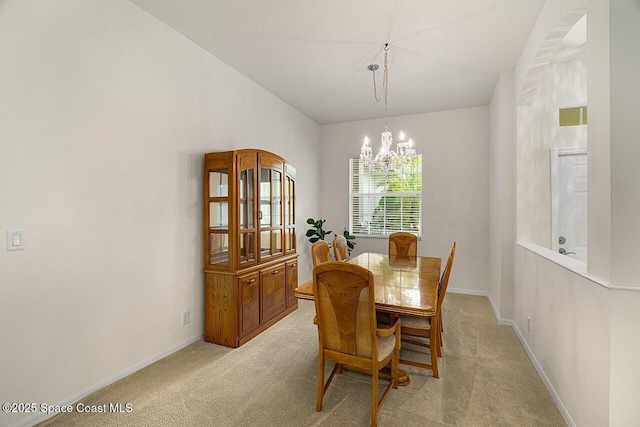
386,160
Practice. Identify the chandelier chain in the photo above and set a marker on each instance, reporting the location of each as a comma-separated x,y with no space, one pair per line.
385,86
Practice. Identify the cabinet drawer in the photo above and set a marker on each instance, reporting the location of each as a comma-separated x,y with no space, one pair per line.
249,287
273,292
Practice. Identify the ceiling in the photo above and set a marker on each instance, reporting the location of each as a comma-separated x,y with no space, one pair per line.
314,54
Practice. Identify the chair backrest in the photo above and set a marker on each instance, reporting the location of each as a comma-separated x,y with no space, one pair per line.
345,309
320,252
403,244
340,248
444,279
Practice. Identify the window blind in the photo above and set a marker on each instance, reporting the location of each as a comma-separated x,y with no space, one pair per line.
379,206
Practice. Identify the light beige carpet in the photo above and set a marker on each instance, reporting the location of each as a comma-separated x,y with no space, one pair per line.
486,379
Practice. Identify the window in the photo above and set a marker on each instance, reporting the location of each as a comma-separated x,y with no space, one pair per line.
379,207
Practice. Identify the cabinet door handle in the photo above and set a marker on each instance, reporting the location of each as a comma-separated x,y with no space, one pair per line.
259,214
251,281
293,265
275,272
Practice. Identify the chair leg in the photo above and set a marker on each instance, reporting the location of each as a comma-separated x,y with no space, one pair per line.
433,350
440,330
374,397
394,368
320,382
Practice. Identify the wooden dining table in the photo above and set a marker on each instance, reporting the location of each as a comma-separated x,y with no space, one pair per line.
402,285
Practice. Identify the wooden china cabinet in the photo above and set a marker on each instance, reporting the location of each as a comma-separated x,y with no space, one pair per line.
251,264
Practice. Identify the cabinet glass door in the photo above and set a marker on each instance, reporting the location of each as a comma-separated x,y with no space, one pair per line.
289,210
265,198
219,183
270,212
218,209
276,199
246,211
219,215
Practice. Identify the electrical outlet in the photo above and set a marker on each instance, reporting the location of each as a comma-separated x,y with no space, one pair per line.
529,324
186,317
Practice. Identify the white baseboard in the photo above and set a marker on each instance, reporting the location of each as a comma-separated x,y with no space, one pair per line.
534,361
467,292
541,373
37,418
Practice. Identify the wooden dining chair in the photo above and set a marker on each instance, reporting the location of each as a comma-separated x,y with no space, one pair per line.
340,248
442,290
347,330
429,328
320,252
403,244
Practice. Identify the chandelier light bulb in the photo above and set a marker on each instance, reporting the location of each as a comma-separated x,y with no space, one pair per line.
401,136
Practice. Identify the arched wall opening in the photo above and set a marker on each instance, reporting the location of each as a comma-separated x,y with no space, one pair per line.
548,145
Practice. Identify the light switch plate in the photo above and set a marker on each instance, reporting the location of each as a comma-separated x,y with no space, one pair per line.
15,240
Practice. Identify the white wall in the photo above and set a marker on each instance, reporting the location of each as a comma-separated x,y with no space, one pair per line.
106,113
625,352
569,337
562,85
599,162
455,147
583,327
624,66
502,195
570,325
624,54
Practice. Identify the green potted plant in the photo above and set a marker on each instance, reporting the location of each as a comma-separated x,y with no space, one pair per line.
317,232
